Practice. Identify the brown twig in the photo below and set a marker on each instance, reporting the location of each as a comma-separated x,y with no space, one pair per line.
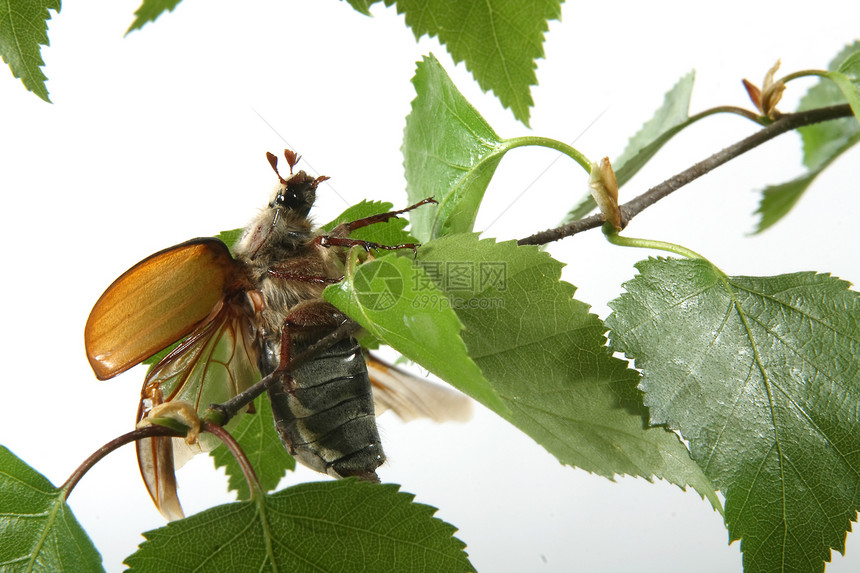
157,430
134,435
632,208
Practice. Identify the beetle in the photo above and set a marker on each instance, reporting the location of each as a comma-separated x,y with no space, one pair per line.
254,313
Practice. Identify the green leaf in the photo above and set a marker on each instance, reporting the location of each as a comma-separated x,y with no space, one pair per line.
847,78
149,11
669,119
343,525
398,304
450,152
498,40
23,30
850,66
823,141
777,200
258,439
762,377
37,528
543,360
546,356
822,144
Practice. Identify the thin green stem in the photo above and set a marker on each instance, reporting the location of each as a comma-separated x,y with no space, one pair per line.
568,150
750,115
613,237
803,74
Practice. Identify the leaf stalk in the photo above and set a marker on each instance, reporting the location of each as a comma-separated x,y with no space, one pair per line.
239,454
550,143
613,237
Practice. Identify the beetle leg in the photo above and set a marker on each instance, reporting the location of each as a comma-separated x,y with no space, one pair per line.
302,269
329,241
339,236
306,318
345,229
303,278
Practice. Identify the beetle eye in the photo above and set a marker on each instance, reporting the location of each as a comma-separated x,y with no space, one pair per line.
296,194
288,198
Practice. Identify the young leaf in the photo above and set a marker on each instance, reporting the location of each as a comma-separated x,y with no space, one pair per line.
822,144
668,120
449,152
823,141
850,66
258,439
778,200
847,78
38,530
149,11
343,525
762,376
23,30
499,41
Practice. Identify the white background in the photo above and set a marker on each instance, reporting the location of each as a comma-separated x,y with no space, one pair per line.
157,138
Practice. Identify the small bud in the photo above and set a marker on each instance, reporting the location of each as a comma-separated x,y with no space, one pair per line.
604,189
771,93
754,93
766,98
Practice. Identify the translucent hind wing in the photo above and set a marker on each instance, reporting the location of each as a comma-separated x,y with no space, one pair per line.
411,397
214,363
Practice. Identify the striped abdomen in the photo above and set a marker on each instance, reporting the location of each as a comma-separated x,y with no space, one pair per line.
327,420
